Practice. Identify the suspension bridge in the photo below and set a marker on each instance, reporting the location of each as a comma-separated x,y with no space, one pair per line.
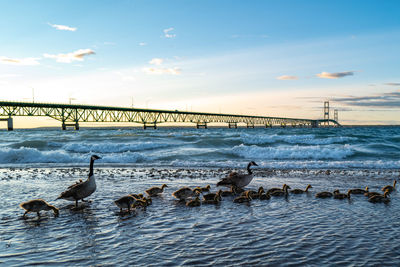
71,115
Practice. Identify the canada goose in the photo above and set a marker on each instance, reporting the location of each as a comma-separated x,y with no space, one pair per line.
143,202
299,191
125,202
212,196
237,179
279,193
36,205
338,195
81,190
389,187
276,189
370,194
204,189
358,190
323,194
380,198
242,199
154,191
193,203
230,192
184,193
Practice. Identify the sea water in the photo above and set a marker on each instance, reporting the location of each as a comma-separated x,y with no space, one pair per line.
297,230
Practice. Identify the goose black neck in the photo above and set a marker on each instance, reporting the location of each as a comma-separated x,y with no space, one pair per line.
91,168
248,168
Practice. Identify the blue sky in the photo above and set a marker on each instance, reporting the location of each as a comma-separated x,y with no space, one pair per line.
280,58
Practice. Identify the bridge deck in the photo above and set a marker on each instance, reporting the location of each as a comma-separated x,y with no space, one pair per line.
72,114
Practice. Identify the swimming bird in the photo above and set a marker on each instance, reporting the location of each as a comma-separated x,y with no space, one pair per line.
125,202
212,198
81,190
237,179
230,192
338,195
389,187
324,194
154,191
204,189
380,198
358,190
194,202
262,195
279,193
299,191
271,190
243,199
184,193
36,205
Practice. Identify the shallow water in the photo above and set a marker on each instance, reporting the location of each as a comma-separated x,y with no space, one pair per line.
299,230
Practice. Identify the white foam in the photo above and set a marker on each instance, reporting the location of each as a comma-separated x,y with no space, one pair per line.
112,147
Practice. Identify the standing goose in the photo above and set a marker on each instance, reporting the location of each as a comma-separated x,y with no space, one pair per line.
36,205
154,191
299,191
81,190
237,179
389,187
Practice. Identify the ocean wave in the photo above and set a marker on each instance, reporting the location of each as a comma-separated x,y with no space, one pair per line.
294,152
113,147
306,139
33,155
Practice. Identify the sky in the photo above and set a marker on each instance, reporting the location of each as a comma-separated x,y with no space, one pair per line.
272,58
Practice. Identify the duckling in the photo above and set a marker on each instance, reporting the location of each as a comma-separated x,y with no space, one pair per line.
299,191
389,187
276,189
193,203
125,202
380,198
370,194
212,196
230,192
154,191
217,199
358,190
140,203
253,194
184,193
324,194
204,189
262,195
36,205
137,196
279,193
243,199
338,195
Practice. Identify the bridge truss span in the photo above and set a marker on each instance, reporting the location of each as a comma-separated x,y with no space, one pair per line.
72,115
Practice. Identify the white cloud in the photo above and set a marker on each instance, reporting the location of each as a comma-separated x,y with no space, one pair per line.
156,61
169,35
69,57
335,75
158,71
287,77
29,61
142,43
63,27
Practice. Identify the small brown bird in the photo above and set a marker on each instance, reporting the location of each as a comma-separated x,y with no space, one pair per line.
276,189
125,202
380,198
300,191
324,194
37,205
389,187
358,191
338,195
243,199
185,192
193,203
279,193
262,195
230,192
154,191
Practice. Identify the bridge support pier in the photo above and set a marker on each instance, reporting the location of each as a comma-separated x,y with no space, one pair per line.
9,123
232,125
65,125
314,124
201,125
268,125
283,125
250,125
152,125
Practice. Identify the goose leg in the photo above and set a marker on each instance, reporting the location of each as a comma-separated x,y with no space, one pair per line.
26,212
38,214
76,203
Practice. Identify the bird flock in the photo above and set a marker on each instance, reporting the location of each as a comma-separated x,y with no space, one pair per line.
196,196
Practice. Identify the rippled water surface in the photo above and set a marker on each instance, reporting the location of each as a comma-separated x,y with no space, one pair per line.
298,230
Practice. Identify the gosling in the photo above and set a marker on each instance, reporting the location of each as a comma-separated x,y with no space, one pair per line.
154,191
300,191
37,205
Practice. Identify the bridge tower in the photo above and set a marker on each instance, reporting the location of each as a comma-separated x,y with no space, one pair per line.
335,115
326,113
